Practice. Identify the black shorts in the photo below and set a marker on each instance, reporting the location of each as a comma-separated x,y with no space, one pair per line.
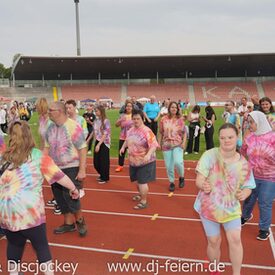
143,174
62,194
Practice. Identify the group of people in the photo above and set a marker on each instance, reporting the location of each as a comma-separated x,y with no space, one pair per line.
226,175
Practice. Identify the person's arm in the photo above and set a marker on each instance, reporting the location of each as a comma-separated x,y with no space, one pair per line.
149,153
82,164
184,139
242,194
123,147
157,117
67,183
202,183
146,117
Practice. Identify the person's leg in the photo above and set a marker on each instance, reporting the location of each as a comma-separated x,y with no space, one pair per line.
121,157
265,200
15,249
179,164
211,137
155,127
96,159
250,202
197,142
233,235
189,148
169,164
104,157
143,190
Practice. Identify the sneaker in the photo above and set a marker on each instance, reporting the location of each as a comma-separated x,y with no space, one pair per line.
263,235
89,152
172,187
186,153
196,153
102,181
81,193
57,210
119,168
181,182
245,220
98,178
81,227
51,202
64,228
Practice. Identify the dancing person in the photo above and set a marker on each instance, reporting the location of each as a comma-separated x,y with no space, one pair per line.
173,142
224,178
209,126
194,130
125,122
89,116
267,108
102,133
151,113
22,213
142,144
65,143
259,148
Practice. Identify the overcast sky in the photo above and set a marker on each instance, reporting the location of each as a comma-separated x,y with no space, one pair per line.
136,27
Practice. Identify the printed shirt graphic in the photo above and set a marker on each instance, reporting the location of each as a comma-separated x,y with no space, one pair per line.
64,142
82,122
260,151
172,131
106,131
139,140
126,124
221,205
21,197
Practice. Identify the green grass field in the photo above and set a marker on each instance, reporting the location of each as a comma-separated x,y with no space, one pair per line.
113,116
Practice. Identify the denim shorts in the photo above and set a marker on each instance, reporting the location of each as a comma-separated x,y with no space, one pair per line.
212,228
62,194
143,174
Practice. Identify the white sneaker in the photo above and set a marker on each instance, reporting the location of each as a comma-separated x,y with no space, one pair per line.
186,153
81,193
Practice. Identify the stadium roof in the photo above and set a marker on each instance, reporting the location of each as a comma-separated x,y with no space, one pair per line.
144,67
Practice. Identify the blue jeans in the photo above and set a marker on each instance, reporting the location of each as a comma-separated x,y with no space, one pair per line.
174,158
265,193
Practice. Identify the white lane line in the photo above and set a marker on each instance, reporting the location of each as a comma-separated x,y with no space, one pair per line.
131,192
272,242
123,214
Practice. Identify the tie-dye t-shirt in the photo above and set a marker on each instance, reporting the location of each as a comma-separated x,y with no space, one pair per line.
21,197
64,141
82,122
271,119
2,144
139,141
106,131
260,151
221,205
172,131
126,124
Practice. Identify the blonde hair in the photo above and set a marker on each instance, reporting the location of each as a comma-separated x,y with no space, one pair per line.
42,106
20,144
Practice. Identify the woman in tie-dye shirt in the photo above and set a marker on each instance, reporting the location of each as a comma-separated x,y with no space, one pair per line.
224,178
259,147
173,142
22,213
125,122
267,108
102,131
142,145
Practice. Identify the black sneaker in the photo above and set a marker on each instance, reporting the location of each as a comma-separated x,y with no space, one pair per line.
57,210
263,235
172,187
64,229
181,182
245,220
51,202
81,228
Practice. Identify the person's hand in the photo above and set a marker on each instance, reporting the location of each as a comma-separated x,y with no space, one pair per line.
149,120
121,151
74,194
81,175
155,119
240,195
97,148
146,158
206,187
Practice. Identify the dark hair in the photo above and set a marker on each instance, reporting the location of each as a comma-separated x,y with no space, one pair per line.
271,110
138,112
210,112
196,108
71,101
127,102
229,126
178,114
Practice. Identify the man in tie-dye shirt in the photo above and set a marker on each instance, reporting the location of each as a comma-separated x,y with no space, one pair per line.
65,143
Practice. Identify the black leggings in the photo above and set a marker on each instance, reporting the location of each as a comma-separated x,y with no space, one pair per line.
38,237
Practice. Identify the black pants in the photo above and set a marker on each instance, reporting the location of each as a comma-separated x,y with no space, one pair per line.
209,133
102,161
90,144
121,157
38,238
153,125
189,148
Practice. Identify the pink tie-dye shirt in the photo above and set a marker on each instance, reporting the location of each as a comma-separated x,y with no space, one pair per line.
125,124
64,141
221,205
139,141
21,197
172,131
99,132
260,151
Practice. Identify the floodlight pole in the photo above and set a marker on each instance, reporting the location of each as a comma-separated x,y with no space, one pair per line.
77,27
